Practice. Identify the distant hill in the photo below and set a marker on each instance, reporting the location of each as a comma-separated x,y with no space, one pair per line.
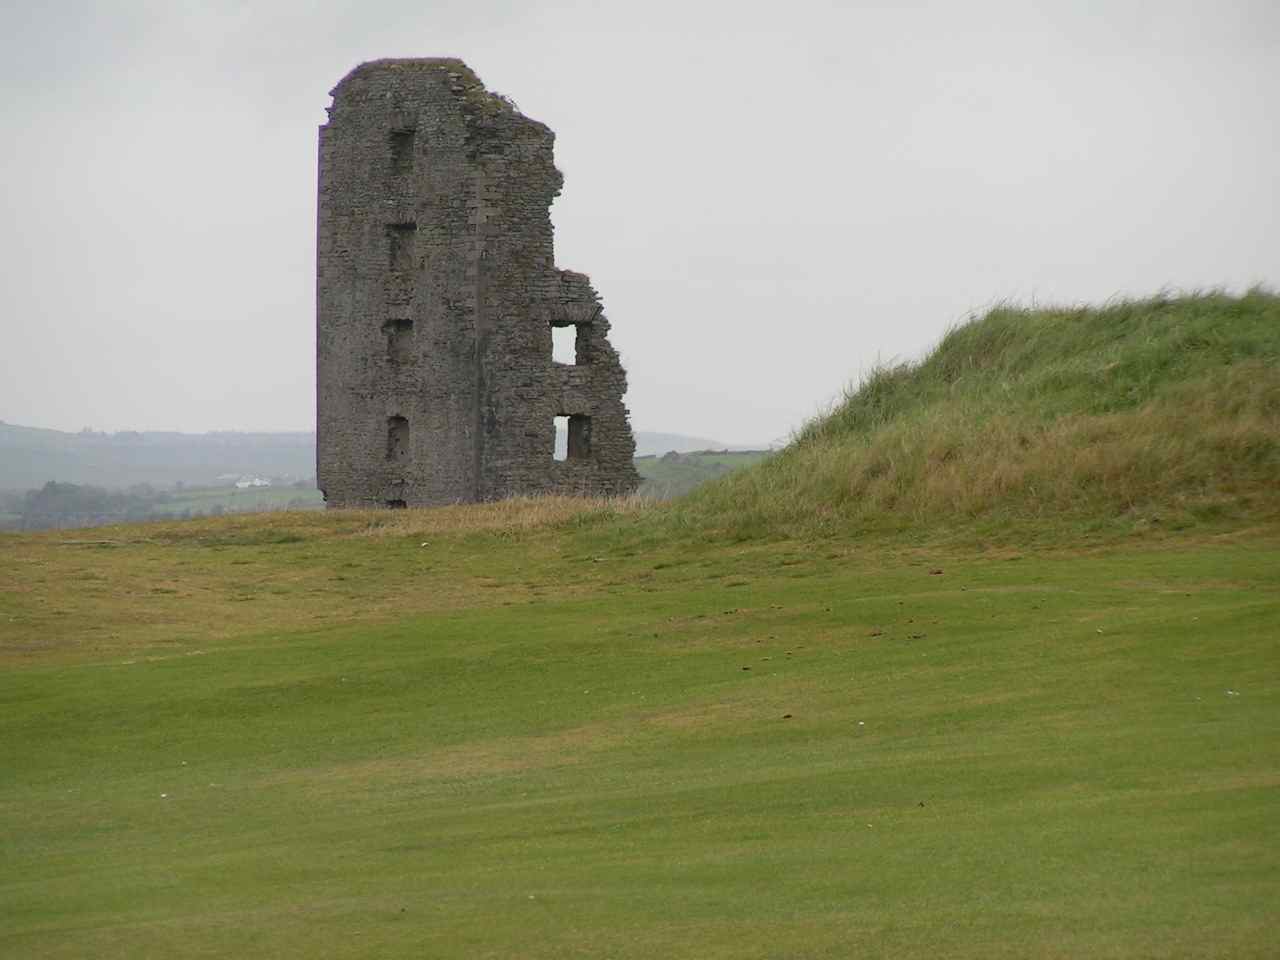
674,474
31,456
656,444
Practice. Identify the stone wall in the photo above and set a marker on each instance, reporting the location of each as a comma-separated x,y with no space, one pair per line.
437,292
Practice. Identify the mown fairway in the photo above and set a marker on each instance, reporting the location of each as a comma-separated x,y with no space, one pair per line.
302,736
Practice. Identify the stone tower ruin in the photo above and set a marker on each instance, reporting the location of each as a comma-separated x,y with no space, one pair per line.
436,299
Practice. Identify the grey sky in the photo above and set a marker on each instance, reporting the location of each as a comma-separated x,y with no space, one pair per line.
768,196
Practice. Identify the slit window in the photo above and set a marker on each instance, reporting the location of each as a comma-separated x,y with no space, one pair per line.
400,243
402,151
397,439
399,339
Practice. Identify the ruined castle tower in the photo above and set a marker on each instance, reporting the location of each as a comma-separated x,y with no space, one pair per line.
436,298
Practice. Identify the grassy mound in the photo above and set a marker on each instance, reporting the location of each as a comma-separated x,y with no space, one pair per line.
1156,411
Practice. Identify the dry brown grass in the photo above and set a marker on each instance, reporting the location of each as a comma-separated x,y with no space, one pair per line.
514,515
493,757
151,591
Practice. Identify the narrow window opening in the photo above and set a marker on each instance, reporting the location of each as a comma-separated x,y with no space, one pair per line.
400,241
397,439
561,449
402,151
399,339
573,437
396,505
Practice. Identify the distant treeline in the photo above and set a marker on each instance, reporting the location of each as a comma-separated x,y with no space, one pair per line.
58,505
65,505
29,456
676,474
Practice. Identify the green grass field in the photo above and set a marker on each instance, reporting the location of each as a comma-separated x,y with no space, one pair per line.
202,500
675,474
580,729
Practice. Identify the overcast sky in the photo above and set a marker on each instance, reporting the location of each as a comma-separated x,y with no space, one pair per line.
770,197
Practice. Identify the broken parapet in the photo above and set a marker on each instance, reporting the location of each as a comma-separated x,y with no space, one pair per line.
436,296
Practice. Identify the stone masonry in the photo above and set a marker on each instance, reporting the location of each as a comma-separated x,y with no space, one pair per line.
436,296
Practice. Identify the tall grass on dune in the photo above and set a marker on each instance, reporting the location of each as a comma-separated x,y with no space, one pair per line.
1156,411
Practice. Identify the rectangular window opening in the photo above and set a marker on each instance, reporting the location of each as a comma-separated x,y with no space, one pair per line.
400,242
402,151
399,339
570,343
396,505
573,437
397,439
564,344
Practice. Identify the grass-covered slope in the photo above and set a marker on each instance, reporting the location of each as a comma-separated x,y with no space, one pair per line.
1155,411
